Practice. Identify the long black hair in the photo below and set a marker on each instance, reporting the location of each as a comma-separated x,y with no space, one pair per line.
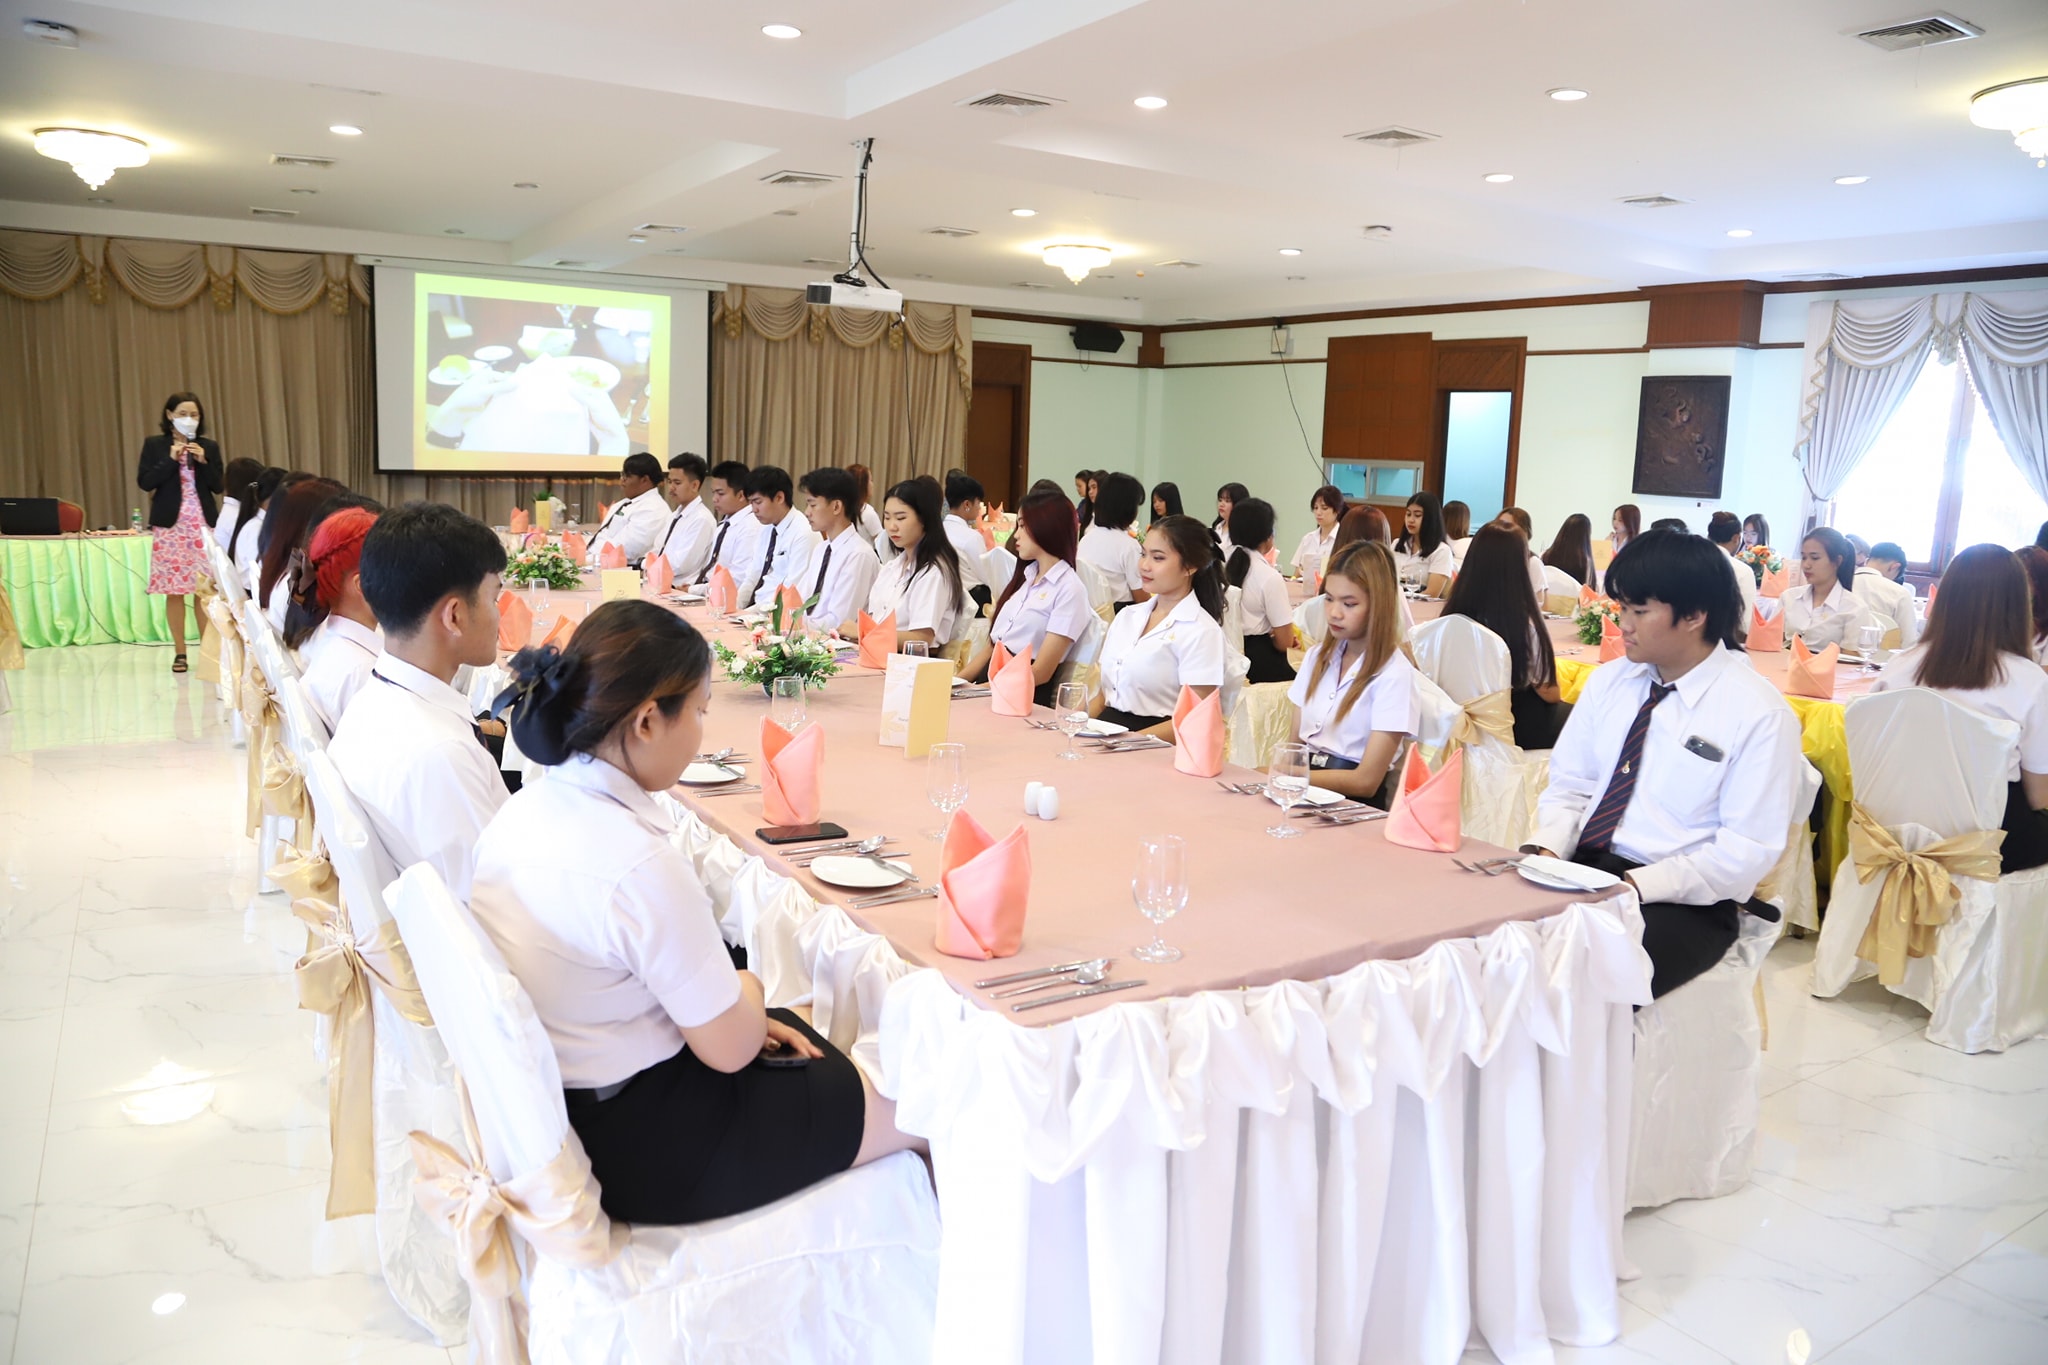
1169,493
932,548
249,500
1251,525
1237,493
1493,589
626,653
1572,549
1190,540
1432,526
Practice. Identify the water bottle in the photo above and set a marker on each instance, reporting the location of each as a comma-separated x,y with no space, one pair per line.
135,518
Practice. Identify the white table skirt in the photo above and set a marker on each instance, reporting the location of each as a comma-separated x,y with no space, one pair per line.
1363,1168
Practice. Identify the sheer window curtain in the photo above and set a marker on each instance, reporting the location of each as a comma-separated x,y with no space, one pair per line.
2005,344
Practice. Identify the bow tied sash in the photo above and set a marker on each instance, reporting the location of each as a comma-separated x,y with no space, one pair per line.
1490,715
1919,894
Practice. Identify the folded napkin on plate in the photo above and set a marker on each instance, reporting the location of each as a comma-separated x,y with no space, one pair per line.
1426,805
611,556
1765,637
1611,647
790,773
984,888
1010,683
1198,733
559,633
520,521
660,577
1812,675
877,640
792,606
1775,583
515,622
575,546
721,594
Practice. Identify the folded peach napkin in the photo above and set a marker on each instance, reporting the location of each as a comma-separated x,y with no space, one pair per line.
1812,675
1198,733
536,538
1273,558
877,640
1426,805
559,633
1587,597
790,773
660,577
1611,647
1775,583
1766,637
610,556
984,889
792,606
1010,683
721,594
515,622
575,546
520,521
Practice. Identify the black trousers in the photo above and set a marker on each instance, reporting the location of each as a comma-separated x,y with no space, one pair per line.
1537,722
1268,663
1682,940
2026,833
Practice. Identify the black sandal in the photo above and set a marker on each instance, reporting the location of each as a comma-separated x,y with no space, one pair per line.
178,664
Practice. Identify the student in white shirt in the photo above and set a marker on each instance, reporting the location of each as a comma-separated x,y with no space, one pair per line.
1044,607
1724,529
609,930
330,623
235,480
298,504
1822,611
965,507
1355,696
1173,640
1421,552
1458,529
842,567
922,584
1879,584
686,542
1262,604
1165,502
1227,497
1515,519
785,540
1493,591
636,523
1571,550
248,528
1312,556
1976,654
408,746
869,519
733,544
1694,813
1107,546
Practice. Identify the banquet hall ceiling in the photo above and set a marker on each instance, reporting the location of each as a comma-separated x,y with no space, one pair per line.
627,112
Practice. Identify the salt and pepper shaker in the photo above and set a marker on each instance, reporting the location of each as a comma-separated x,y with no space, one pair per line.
1031,793
1048,803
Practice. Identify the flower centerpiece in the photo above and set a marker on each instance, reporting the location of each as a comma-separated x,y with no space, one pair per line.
1762,559
1592,617
544,564
772,652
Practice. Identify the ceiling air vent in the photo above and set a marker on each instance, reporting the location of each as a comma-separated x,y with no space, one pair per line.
1029,284
572,265
822,260
799,179
1393,136
1178,264
661,227
951,232
1926,31
304,163
1015,103
1653,201
273,213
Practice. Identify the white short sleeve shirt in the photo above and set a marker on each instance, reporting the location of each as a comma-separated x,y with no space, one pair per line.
335,663
1144,671
968,545
1264,602
635,525
840,574
686,544
2020,696
1420,568
1315,543
923,599
1115,556
1388,703
1054,603
1837,619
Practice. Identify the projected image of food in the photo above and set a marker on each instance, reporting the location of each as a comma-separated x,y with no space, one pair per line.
537,377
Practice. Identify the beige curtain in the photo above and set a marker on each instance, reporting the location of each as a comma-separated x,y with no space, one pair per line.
804,387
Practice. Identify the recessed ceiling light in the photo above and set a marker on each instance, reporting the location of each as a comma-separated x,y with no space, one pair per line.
785,213
163,1305
525,185
344,129
782,30
1738,232
1149,102
1566,93
453,232
1297,277
1290,251
1498,178
1023,213
1850,179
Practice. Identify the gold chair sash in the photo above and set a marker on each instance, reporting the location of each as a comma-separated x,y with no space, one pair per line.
334,979
259,714
1484,716
1919,892
284,787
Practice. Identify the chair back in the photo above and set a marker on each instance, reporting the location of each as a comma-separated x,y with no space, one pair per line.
304,731
1102,591
1233,618
70,517
1462,657
1922,759
1558,583
1311,620
996,567
224,576
358,855
1088,648
485,1018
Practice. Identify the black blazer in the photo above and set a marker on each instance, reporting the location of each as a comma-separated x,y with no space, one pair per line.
158,473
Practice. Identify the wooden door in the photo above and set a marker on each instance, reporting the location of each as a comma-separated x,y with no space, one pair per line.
999,420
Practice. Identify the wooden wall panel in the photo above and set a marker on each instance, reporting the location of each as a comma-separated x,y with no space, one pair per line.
1720,313
1380,398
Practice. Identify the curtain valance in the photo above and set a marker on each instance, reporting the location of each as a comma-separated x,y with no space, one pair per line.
779,314
168,275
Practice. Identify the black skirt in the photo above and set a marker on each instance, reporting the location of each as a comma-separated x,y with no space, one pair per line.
1267,661
2026,833
1129,721
683,1143
1537,722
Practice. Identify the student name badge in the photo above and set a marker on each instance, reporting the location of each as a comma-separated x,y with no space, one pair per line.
617,583
917,702
544,514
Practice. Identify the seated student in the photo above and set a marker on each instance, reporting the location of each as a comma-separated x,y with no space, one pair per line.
1493,591
1107,547
964,507
2034,560
1515,519
1625,525
1977,653
1360,523
634,524
1326,505
407,746
1356,691
1822,611
733,544
1755,531
922,584
1572,548
246,540
1457,529
1671,524
1724,531
869,520
1227,497
691,531
284,535
841,570
1084,498
1170,641
1165,501
1044,607
1422,552
783,546
330,623
1677,767
653,1028
1262,605
235,480
1880,583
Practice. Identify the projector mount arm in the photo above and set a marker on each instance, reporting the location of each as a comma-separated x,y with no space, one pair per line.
856,251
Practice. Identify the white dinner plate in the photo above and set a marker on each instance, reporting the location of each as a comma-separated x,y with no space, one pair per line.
491,355
442,375
709,775
1104,727
1559,875
859,874
1311,796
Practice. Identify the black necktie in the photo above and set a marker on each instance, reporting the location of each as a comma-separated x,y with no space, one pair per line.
718,544
768,559
1598,835
824,563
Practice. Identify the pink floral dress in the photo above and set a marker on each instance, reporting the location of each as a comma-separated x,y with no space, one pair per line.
178,553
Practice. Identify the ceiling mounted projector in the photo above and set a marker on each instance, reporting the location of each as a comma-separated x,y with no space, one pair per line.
873,298
848,289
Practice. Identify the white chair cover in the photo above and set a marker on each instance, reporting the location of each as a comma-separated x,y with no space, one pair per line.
1928,769
1262,720
1088,649
1233,618
1502,783
1558,583
846,1270
1311,620
997,566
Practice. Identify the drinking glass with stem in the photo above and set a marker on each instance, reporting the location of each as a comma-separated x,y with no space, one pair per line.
1160,887
917,649
786,707
1070,713
946,782
1869,640
1286,782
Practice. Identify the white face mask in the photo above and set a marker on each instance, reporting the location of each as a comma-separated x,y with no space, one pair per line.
186,426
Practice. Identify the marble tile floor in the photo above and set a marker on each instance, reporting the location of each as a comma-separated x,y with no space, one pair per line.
163,1146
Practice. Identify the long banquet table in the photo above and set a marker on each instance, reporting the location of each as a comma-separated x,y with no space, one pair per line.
1379,1103
82,589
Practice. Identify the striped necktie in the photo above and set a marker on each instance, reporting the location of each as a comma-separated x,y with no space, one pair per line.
1598,835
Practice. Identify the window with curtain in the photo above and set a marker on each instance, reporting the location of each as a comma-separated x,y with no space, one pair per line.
1939,479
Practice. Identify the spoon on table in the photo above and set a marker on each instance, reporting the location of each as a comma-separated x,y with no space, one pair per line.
1087,974
717,759
866,848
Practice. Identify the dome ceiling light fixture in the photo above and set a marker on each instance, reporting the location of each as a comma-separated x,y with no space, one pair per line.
2019,108
1076,259
94,155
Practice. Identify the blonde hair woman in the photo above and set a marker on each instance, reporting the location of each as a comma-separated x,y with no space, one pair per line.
1356,690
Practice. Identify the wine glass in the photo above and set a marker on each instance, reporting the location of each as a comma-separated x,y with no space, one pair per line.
917,649
1070,713
1160,887
946,782
786,705
1286,781
1868,639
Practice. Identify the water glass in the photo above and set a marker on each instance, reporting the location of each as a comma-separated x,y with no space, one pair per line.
1070,713
917,649
1160,887
946,782
1287,782
786,704
1869,639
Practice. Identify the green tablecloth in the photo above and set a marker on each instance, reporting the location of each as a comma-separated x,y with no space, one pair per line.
82,590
